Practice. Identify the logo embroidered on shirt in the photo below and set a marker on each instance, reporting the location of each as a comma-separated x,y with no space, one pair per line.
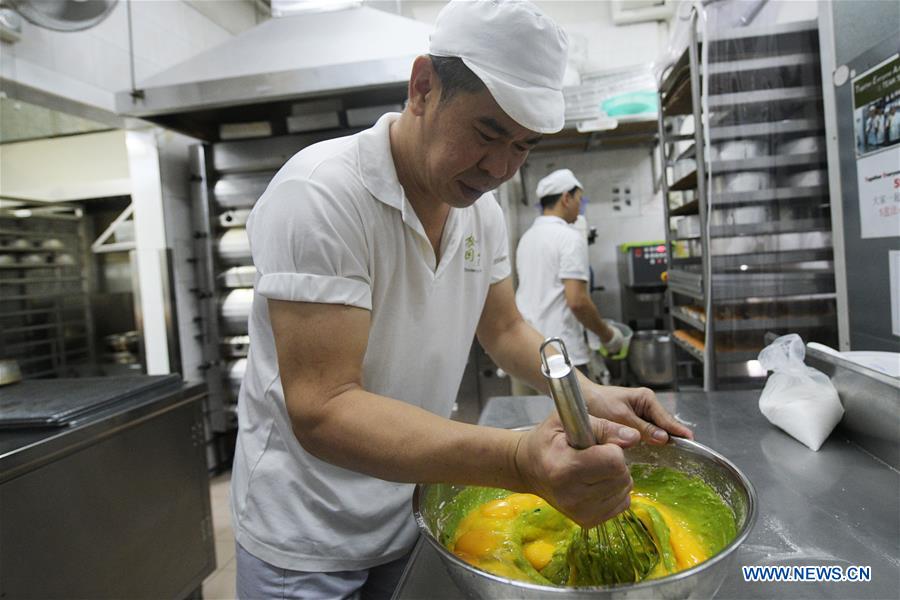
472,255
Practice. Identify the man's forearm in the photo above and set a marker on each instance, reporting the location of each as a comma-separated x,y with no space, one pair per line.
509,339
358,430
588,315
517,351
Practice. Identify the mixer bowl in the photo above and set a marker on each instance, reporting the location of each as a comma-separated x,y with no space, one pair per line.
701,581
650,357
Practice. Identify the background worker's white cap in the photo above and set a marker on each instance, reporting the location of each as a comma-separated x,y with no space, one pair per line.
557,182
516,50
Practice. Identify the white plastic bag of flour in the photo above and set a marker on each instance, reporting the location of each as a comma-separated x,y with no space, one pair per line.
798,399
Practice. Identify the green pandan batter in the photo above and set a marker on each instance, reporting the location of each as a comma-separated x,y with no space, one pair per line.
522,537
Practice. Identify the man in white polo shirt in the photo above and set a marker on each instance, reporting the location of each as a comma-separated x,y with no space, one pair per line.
380,256
552,261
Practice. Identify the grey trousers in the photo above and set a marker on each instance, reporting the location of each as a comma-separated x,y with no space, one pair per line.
258,580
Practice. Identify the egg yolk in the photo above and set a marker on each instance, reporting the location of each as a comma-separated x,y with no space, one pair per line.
520,535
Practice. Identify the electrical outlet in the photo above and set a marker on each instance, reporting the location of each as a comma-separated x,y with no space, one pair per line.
624,203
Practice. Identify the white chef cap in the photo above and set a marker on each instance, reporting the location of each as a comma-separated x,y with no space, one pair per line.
517,51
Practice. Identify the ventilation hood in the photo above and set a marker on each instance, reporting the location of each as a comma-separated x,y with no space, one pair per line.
361,55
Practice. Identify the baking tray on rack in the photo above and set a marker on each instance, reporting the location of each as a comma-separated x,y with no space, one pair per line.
731,286
728,286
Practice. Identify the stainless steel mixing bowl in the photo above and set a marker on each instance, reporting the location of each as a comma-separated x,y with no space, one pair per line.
701,581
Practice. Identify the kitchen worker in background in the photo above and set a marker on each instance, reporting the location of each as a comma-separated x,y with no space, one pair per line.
893,125
881,129
874,128
379,257
552,260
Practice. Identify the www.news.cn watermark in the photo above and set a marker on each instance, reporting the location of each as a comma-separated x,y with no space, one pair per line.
782,573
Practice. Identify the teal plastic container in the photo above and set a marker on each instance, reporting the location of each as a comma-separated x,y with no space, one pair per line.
631,103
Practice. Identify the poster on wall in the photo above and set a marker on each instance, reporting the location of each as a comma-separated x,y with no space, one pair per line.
876,126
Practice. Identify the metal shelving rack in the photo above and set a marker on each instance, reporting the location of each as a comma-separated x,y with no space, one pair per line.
731,279
45,318
227,179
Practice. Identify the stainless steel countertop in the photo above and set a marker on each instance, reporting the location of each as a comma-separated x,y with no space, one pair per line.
23,450
837,506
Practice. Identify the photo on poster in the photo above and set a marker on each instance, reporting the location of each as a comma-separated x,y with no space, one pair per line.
876,107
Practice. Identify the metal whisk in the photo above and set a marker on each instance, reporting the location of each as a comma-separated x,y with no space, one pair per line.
619,550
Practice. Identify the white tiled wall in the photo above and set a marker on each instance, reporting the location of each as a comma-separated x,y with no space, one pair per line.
92,165
90,66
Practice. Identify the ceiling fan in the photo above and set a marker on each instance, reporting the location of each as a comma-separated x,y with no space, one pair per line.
63,15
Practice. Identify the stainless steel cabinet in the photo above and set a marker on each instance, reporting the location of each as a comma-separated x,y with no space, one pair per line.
114,508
